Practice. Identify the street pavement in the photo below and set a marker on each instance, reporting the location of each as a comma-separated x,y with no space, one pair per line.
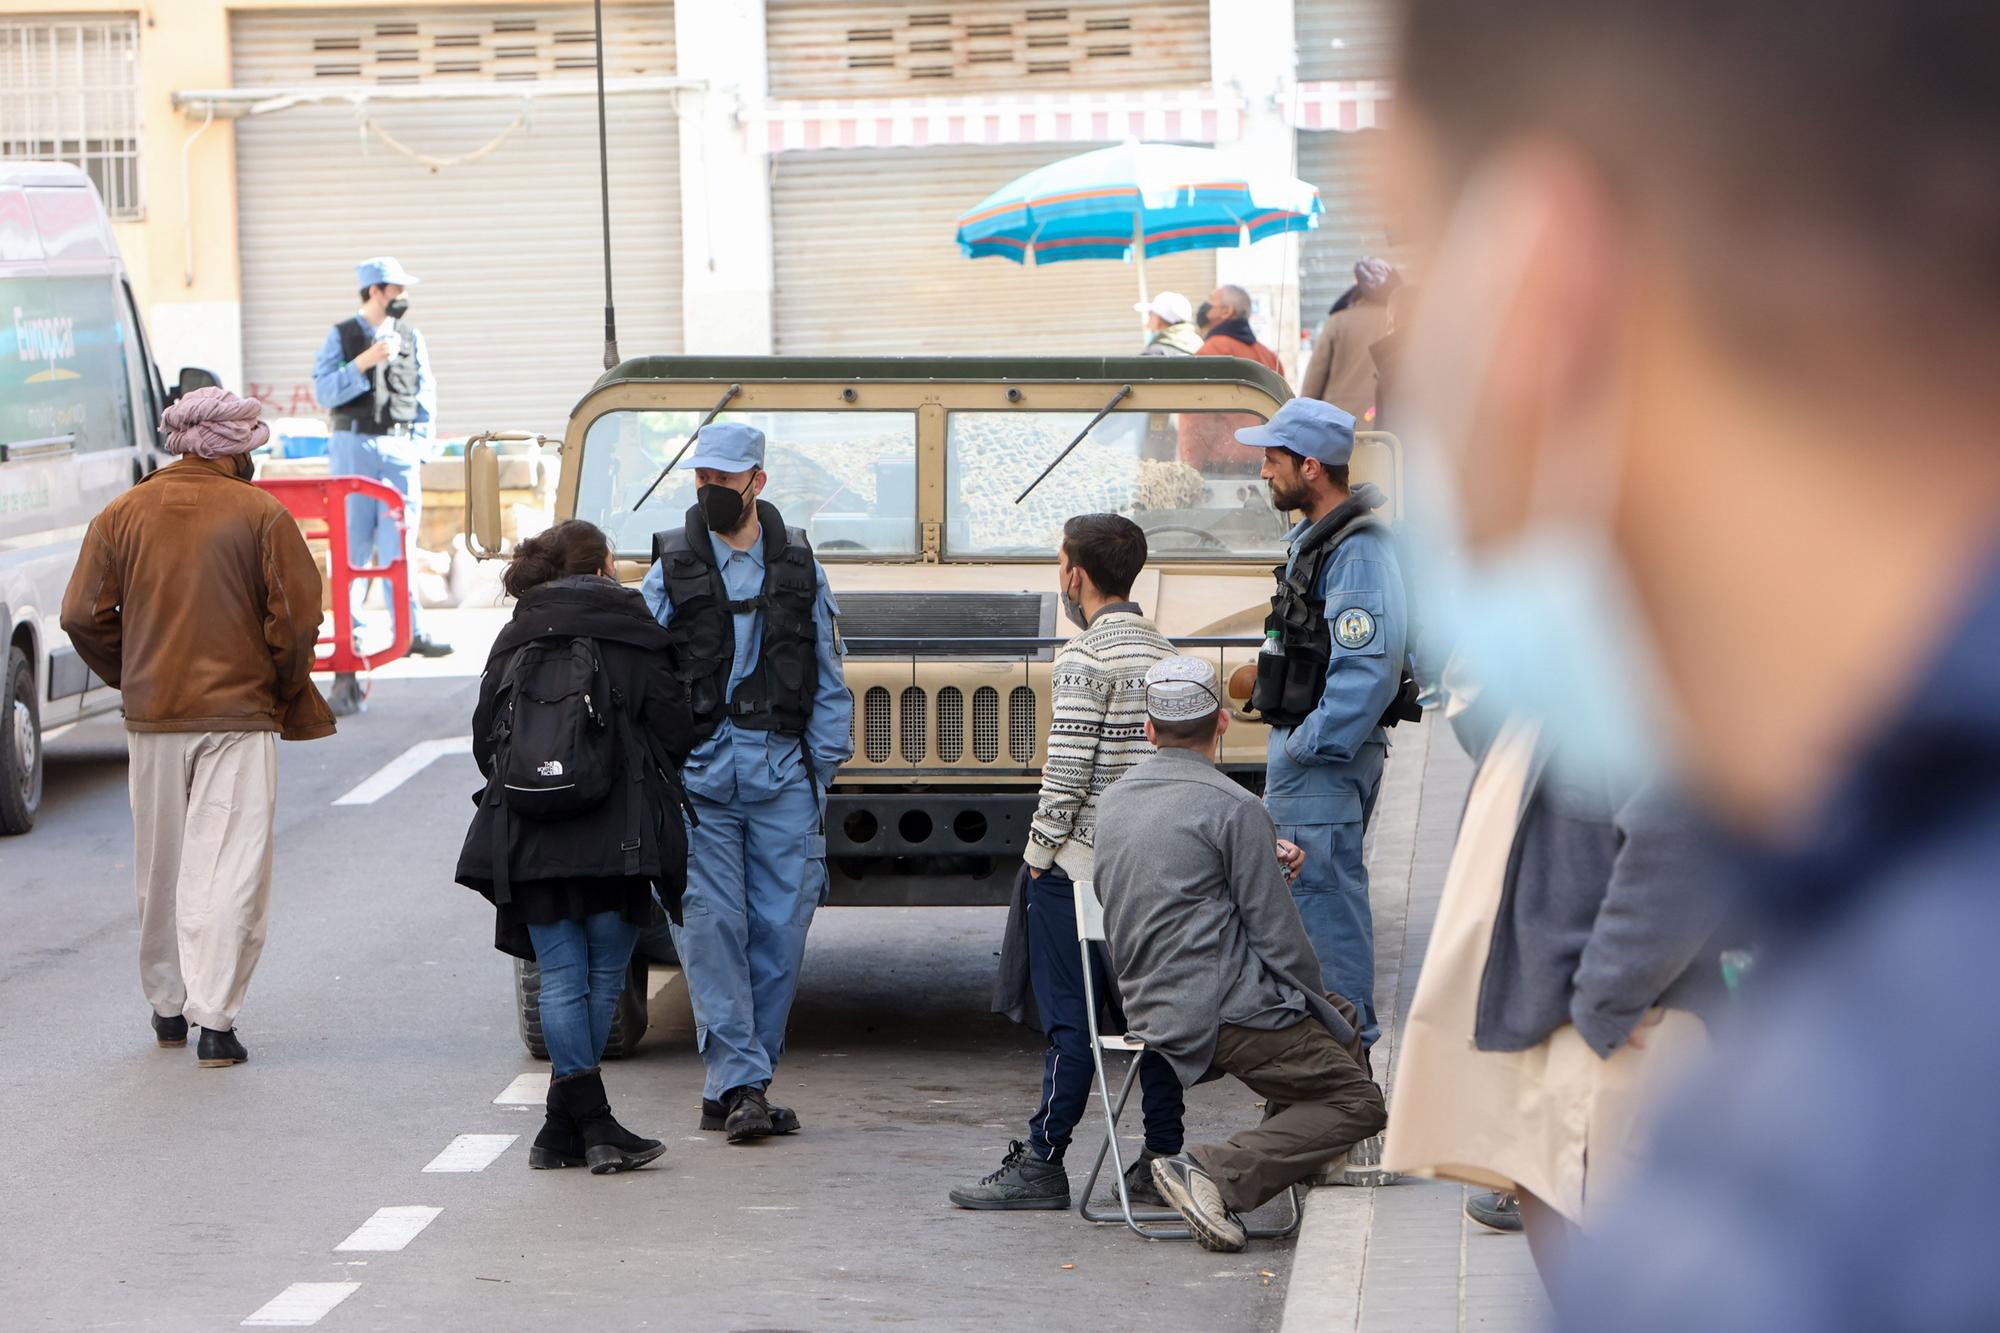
145,1193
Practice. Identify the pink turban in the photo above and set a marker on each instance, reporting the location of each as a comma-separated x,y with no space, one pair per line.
215,423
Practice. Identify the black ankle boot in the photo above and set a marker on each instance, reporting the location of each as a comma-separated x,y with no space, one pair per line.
559,1144
607,1145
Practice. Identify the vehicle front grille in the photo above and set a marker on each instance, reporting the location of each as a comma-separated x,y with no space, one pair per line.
986,724
1021,724
951,724
916,726
950,624
875,708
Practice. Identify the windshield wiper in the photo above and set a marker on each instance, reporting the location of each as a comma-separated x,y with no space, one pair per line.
1056,462
713,412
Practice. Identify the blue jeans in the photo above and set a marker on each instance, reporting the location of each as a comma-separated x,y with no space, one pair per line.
1055,970
583,966
395,461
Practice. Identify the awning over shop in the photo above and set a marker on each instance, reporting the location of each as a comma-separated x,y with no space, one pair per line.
237,103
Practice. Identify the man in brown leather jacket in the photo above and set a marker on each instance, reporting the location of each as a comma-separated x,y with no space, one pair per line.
195,595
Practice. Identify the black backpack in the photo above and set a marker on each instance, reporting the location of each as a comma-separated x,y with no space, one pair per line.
561,744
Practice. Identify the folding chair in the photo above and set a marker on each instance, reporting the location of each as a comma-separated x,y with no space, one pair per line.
1089,931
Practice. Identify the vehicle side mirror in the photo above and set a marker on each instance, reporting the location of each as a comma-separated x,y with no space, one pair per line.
192,378
482,497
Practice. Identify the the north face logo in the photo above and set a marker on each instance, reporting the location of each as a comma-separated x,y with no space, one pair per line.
552,769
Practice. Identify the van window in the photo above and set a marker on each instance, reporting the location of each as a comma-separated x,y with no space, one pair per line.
69,223
62,363
18,239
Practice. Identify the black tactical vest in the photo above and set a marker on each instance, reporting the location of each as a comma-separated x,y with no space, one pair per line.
1289,686
778,693
391,397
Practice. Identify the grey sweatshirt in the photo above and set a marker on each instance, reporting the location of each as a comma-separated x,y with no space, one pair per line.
1201,926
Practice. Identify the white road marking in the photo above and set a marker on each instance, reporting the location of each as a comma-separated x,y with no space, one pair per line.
390,1229
404,767
301,1305
530,1089
471,1152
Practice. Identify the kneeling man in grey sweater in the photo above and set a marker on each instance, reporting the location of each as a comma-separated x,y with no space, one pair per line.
1214,965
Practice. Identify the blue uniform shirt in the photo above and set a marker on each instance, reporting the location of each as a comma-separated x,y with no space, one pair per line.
1362,584
335,382
760,765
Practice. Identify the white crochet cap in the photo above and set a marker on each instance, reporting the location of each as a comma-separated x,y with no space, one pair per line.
1182,689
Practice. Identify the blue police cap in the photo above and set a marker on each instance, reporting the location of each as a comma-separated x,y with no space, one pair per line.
1308,428
383,269
729,446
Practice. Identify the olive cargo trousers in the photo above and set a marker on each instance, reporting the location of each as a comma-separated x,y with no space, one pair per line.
1321,1101
203,808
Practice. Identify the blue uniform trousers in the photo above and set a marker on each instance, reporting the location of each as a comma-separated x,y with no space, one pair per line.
395,461
756,875
1325,809
1055,970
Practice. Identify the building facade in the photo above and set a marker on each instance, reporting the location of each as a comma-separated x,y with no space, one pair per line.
785,174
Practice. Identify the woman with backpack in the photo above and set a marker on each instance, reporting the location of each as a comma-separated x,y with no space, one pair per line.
581,731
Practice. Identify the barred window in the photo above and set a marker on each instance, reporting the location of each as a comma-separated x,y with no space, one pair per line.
69,92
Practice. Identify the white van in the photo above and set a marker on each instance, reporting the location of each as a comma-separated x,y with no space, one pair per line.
80,403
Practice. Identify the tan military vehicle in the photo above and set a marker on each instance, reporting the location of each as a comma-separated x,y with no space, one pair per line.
917,483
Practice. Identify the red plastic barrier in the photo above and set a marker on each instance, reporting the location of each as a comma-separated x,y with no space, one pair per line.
320,506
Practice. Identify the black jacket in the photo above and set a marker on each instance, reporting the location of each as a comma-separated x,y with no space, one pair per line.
587,847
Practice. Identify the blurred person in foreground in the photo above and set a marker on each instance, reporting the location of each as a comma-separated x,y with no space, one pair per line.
1685,546
196,596
1214,965
1570,977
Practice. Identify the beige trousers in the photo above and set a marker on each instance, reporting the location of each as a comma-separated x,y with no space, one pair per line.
203,807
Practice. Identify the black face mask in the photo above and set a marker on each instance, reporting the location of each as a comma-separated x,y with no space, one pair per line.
399,307
722,506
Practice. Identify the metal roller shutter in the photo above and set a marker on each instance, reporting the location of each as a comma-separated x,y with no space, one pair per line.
853,48
865,262
1345,39
1346,167
508,245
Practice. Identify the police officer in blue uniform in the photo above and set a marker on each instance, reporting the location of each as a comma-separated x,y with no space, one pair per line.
753,628
1329,677
373,377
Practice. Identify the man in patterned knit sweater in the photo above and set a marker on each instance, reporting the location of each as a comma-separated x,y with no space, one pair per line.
1098,732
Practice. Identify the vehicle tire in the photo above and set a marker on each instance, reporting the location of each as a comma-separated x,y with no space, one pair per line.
656,945
20,746
627,1026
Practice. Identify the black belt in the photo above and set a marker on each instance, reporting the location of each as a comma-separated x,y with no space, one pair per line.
357,426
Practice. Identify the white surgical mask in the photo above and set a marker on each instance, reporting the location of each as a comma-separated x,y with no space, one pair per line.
1545,621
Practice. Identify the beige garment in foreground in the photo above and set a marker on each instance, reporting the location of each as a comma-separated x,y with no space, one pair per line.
203,806
1554,1120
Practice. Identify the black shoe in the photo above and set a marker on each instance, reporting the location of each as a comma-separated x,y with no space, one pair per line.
170,1031
560,1143
1190,1192
423,645
1139,1186
1023,1181
219,1049
347,697
607,1145
1502,1212
749,1115
715,1118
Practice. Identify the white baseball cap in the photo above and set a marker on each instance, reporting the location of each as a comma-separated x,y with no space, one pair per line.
1170,306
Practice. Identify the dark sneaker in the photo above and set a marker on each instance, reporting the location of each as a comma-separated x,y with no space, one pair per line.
219,1049
749,1116
1502,1212
347,697
715,1118
1139,1185
423,645
1024,1181
1197,1198
170,1031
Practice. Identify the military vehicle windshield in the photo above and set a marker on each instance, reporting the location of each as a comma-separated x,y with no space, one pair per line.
1180,475
848,478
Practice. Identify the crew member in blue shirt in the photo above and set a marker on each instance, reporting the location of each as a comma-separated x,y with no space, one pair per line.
753,628
373,378
1331,667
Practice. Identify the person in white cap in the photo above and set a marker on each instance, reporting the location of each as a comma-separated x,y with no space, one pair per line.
1170,329
1214,965
373,377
